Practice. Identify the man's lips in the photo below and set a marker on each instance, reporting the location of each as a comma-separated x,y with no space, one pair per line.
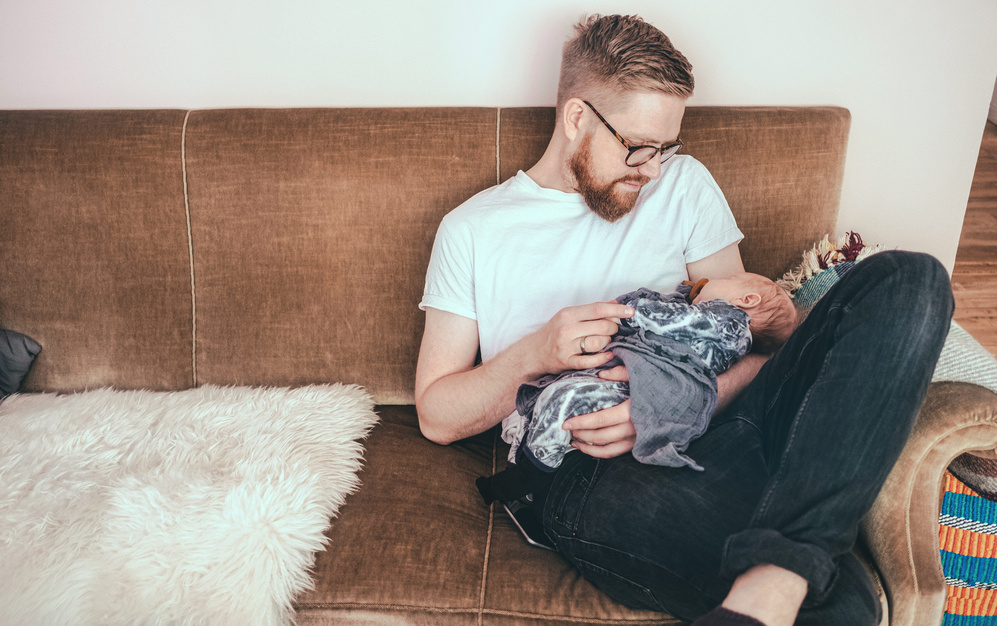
634,183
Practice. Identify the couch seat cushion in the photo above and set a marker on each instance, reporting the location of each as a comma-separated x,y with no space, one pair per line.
417,545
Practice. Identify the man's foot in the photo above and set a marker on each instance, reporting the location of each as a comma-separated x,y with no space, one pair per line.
725,617
769,594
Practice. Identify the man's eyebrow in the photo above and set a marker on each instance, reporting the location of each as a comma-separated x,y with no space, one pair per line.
647,141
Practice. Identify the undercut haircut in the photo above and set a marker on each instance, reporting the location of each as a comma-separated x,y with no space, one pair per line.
616,54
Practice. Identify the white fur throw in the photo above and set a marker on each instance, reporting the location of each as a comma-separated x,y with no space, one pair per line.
194,507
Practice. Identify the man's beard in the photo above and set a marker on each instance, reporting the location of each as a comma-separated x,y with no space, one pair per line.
606,201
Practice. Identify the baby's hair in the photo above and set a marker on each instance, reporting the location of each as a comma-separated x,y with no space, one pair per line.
774,319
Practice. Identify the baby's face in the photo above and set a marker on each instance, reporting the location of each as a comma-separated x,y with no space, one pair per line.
729,289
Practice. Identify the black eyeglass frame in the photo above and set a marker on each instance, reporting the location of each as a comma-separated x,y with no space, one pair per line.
632,149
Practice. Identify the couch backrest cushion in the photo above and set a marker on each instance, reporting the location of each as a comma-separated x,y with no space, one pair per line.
312,231
94,263
305,233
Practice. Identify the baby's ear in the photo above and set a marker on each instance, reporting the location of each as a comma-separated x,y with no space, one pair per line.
747,301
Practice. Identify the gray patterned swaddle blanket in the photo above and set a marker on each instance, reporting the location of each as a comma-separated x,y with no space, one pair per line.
673,351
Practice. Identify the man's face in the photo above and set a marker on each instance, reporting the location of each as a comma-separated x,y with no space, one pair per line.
609,200
609,186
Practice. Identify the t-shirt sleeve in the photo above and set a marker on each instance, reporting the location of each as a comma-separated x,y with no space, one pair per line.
449,279
712,227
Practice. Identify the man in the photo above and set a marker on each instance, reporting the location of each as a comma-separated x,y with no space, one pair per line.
801,443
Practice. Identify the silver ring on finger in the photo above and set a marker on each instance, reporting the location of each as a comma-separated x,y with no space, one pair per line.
581,345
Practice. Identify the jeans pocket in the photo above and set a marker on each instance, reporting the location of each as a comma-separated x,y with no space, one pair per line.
619,588
567,495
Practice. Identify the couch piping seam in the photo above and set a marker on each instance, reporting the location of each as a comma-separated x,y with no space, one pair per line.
190,253
333,606
498,160
488,542
908,500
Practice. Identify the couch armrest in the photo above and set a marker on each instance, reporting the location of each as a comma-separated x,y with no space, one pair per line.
901,530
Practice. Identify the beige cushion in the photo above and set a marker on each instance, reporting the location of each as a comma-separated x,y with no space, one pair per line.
93,247
418,541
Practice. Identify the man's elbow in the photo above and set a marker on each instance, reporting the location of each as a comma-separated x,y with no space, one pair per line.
432,430
436,436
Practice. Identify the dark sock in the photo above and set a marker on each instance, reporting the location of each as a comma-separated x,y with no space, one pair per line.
515,482
725,617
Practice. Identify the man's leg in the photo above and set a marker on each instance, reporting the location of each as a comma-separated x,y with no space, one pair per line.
652,536
835,408
815,436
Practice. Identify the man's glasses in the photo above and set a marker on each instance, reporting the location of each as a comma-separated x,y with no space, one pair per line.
639,155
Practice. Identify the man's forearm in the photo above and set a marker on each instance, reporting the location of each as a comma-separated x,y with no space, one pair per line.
732,382
456,400
466,403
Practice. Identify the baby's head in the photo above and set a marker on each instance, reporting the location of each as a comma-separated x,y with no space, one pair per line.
772,313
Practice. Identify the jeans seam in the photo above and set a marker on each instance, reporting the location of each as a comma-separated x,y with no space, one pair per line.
636,558
556,496
796,364
644,590
585,496
653,564
790,439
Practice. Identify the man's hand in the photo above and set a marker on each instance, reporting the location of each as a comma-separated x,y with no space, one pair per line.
610,432
603,434
607,433
573,338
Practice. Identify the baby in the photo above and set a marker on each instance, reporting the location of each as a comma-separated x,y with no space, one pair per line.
674,347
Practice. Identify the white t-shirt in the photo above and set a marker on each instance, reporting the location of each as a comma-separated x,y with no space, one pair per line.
515,254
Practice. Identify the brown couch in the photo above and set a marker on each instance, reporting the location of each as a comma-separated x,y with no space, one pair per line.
169,249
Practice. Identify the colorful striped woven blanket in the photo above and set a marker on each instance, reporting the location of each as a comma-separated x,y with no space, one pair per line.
967,534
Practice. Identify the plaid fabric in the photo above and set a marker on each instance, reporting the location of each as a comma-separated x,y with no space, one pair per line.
817,285
967,534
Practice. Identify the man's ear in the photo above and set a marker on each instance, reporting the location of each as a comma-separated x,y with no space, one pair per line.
571,117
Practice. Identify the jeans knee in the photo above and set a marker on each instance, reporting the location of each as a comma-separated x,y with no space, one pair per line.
921,281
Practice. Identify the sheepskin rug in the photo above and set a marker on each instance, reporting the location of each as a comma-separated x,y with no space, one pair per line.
195,507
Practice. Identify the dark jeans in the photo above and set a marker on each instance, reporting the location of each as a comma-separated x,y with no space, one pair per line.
791,465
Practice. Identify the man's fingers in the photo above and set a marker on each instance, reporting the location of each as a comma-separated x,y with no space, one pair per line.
619,414
587,361
604,436
594,343
605,452
596,311
616,374
601,329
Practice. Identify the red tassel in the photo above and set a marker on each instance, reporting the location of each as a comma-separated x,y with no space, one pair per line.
854,247
848,253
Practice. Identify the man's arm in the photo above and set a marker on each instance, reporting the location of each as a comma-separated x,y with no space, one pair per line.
454,399
720,264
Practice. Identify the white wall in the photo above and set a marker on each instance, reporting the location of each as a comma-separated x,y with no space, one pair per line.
917,75
993,106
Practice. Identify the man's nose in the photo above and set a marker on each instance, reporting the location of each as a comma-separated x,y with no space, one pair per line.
651,169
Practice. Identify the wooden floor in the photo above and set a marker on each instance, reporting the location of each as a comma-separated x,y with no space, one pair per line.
974,278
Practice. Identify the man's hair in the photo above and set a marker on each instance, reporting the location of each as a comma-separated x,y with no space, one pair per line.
616,54
774,319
